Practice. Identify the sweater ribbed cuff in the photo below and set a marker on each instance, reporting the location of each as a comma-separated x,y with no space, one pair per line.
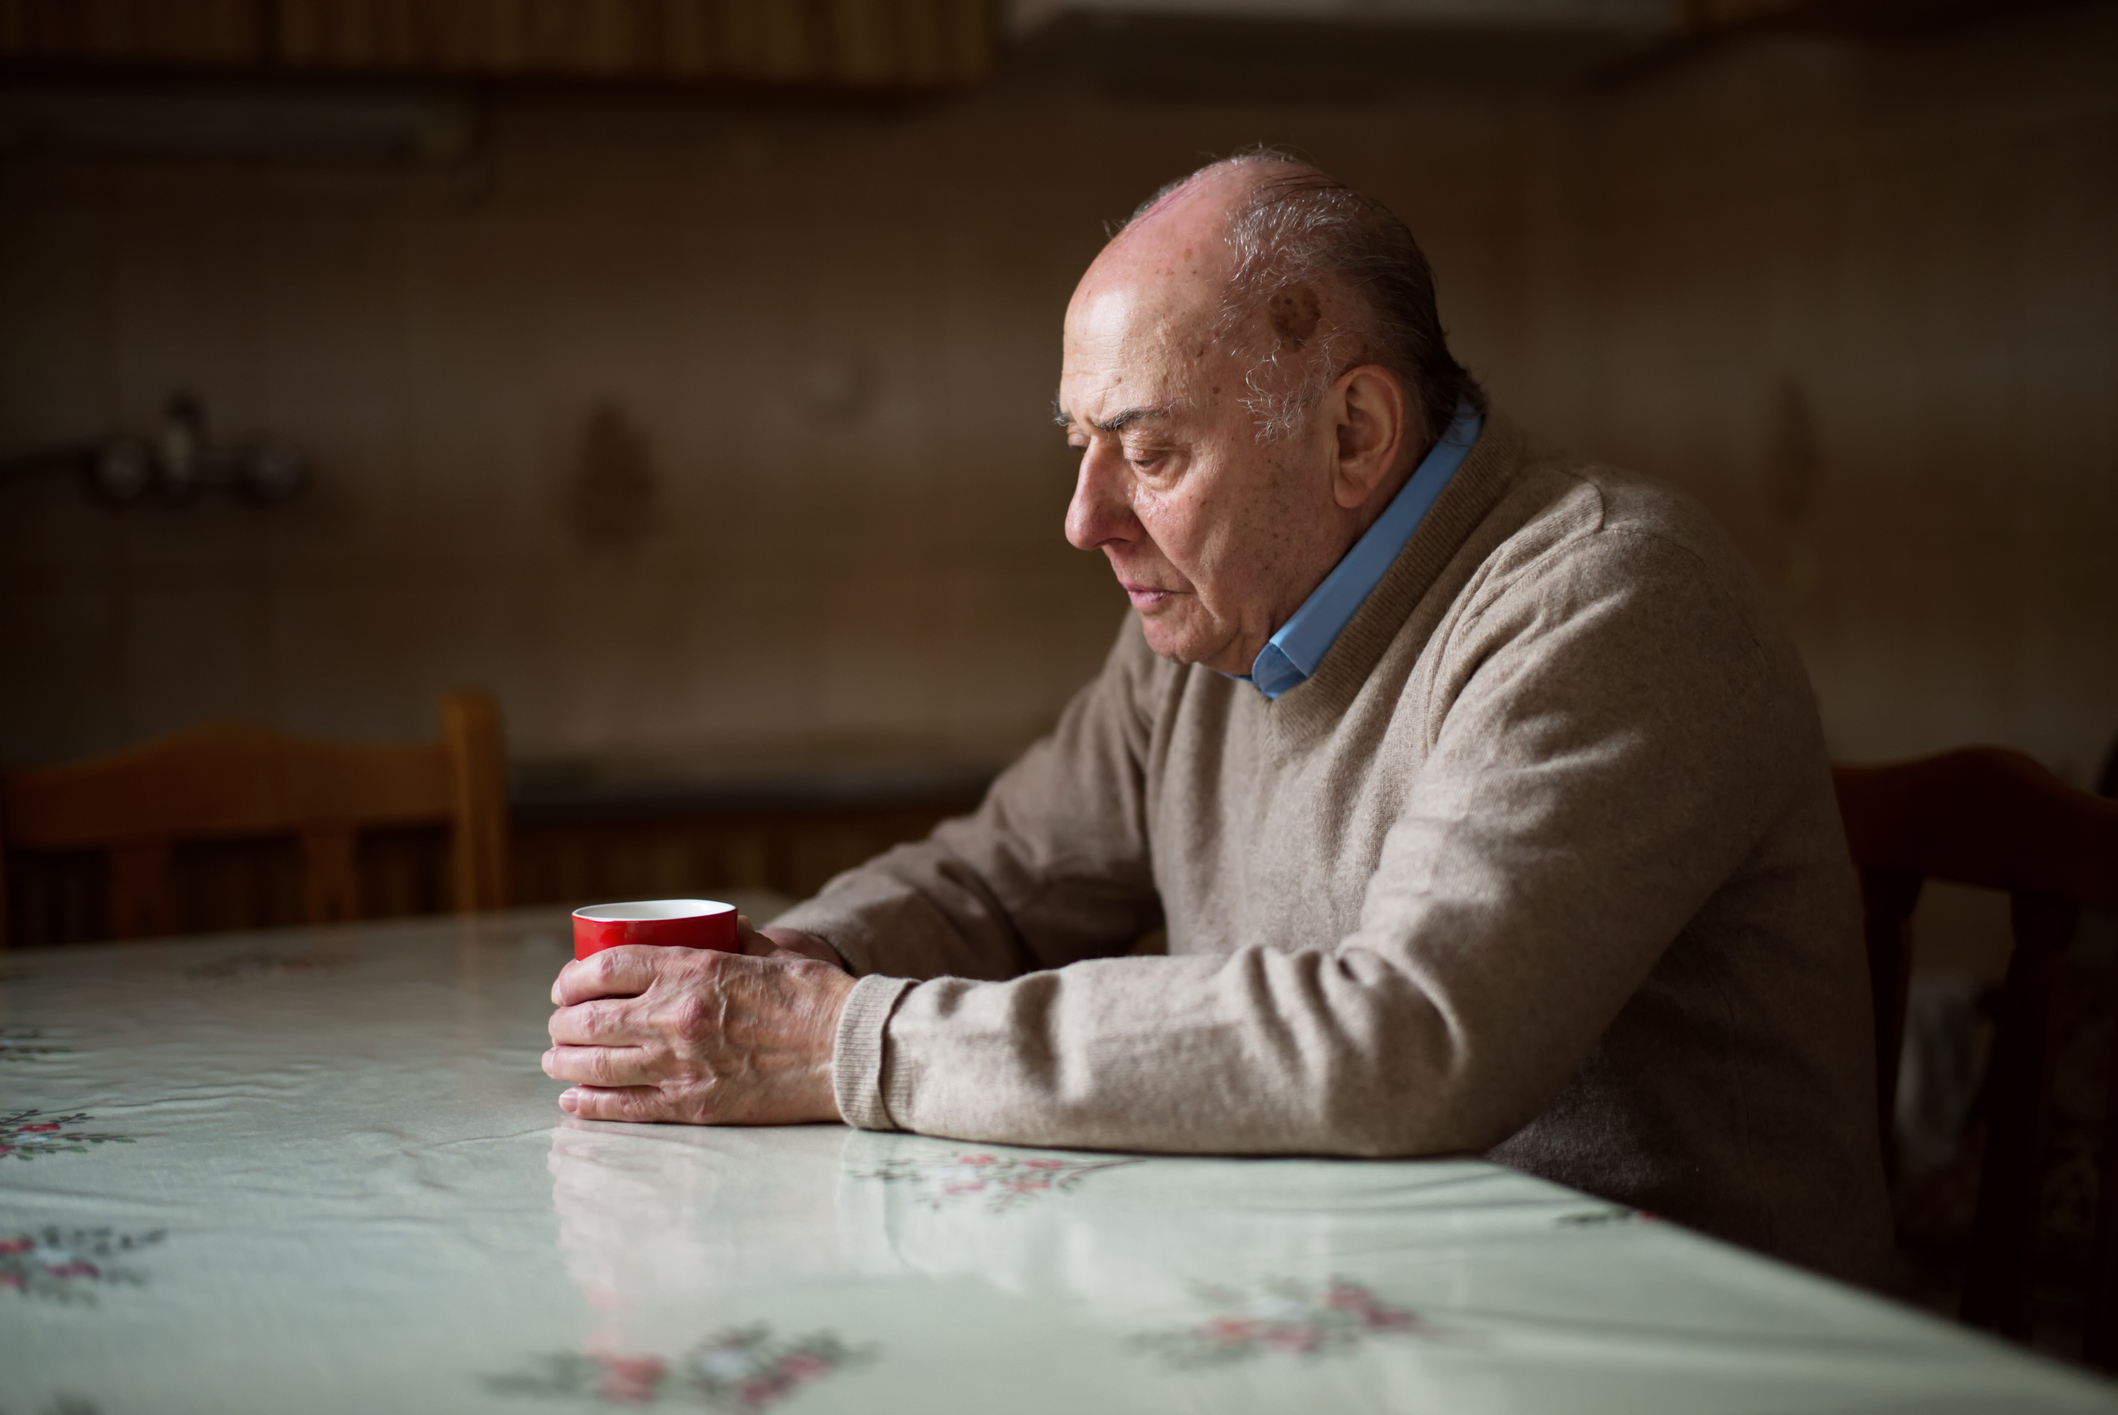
857,1061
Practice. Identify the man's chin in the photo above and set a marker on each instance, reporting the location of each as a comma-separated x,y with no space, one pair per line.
1177,641
1165,638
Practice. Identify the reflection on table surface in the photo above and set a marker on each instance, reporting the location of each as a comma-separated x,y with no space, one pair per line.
320,1170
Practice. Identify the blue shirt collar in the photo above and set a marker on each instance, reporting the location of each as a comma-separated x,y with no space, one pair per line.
1291,655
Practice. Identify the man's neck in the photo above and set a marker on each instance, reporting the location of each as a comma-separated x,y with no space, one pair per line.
1298,644
1355,523
1370,511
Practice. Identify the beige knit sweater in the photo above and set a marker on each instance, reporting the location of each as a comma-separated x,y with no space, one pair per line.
1543,863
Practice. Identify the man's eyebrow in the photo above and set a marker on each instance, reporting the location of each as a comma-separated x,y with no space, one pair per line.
1116,422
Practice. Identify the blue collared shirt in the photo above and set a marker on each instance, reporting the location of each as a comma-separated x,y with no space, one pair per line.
1291,655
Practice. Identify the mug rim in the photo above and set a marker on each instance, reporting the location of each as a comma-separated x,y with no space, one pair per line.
646,911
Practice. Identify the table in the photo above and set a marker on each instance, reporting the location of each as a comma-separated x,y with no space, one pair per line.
319,1170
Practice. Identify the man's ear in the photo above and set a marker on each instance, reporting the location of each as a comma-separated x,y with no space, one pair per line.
1372,430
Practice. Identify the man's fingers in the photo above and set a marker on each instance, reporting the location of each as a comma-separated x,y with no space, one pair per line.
794,943
601,1022
625,971
638,1103
598,1066
749,941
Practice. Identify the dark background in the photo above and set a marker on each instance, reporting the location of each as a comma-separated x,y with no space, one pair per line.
689,387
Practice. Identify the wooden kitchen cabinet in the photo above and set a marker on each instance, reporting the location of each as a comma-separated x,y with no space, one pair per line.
881,45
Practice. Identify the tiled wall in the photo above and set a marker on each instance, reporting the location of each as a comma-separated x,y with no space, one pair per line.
708,433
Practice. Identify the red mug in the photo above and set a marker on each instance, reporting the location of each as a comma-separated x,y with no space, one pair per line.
665,923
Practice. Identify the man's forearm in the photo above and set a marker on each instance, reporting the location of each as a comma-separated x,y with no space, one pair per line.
1054,865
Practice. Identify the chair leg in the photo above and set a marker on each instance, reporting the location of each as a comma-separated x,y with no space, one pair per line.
2004,1241
1888,898
142,903
2099,1336
470,730
330,881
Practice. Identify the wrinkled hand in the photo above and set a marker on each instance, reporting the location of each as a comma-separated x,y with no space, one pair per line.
785,943
699,1037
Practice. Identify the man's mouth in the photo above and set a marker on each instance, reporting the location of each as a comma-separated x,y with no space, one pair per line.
1146,597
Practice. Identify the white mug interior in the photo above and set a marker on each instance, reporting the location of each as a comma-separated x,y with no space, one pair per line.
641,909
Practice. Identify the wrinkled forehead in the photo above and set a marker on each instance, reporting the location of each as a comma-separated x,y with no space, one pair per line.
1127,322
1172,264
1131,359
1141,324
1149,296
1141,328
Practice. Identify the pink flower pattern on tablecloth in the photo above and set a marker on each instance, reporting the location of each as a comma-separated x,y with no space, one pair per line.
742,1370
26,1134
68,1265
1281,1316
1001,1181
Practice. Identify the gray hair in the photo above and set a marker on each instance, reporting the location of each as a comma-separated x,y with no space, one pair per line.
1298,229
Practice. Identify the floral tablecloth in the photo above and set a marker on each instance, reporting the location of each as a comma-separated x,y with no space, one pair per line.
317,1171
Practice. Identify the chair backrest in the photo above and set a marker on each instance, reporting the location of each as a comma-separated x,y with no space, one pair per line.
1992,818
230,780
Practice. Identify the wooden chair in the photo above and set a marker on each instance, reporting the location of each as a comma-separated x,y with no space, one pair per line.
231,780
1995,819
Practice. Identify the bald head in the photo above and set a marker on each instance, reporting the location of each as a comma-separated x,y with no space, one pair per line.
1313,277
1173,267
1162,279
1242,408
1230,180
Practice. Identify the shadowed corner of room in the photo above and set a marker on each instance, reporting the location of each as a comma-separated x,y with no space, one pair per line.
1794,485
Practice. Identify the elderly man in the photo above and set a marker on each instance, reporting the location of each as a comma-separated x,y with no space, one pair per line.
1482,799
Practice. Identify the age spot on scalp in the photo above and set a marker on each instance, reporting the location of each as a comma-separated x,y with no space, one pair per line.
1294,313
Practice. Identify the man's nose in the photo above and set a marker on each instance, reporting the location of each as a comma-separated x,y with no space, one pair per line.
1102,509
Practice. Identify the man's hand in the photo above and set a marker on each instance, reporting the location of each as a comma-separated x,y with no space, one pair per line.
785,943
700,1037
